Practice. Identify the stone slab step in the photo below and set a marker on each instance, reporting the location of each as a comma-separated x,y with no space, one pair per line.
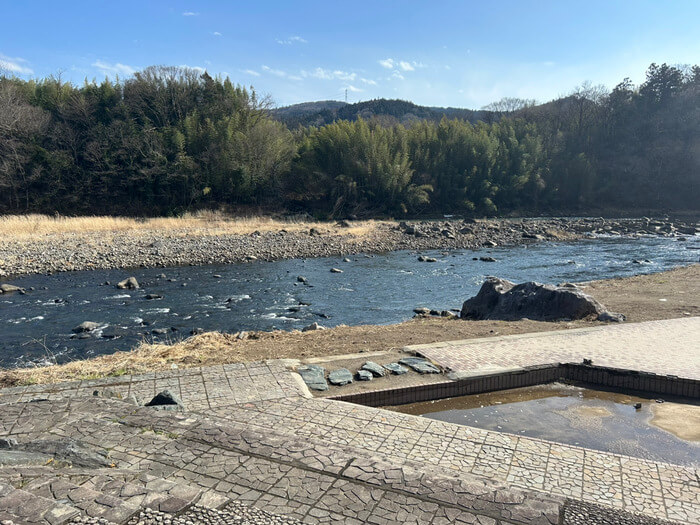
151,492
89,502
20,506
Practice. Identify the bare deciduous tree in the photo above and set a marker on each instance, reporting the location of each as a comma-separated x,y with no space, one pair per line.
19,123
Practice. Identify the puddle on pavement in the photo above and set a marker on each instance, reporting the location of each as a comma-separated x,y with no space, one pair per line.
667,431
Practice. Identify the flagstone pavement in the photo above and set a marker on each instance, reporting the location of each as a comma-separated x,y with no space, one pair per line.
252,444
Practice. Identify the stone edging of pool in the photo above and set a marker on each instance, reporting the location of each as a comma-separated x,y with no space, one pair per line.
630,381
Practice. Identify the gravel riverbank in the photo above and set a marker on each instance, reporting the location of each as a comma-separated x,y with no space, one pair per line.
58,252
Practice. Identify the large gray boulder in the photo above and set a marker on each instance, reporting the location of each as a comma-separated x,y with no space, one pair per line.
314,376
86,326
9,288
130,283
503,300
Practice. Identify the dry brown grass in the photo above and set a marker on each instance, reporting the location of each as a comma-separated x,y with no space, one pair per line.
200,223
205,349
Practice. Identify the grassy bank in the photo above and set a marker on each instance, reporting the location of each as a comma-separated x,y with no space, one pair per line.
200,223
641,298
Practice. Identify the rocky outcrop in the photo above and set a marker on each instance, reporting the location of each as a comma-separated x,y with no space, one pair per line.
504,300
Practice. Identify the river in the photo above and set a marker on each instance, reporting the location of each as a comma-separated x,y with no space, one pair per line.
36,328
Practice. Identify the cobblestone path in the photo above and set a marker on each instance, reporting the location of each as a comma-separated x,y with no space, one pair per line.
252,446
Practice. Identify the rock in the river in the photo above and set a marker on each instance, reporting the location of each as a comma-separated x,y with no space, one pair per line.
336,270
396,368
152,296
167,400
340,377
421,310
375,369
364,375
87,326
302,279
420,365
312,327
423,258
487,259
503,300
9,288
313,376
113,332
130,283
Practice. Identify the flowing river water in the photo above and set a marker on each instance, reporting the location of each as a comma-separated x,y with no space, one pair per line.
36,328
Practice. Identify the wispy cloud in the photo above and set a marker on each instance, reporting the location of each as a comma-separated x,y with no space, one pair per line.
190,13
292,40
327,74
216,33
15,65
251,72
353,89
114,69
368,81
400,66
276,72
198,69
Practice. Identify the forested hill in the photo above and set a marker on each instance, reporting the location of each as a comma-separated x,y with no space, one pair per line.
388,112
168,140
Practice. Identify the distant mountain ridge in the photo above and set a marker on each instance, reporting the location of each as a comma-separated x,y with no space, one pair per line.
390,111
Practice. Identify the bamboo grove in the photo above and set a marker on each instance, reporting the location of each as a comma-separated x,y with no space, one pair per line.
169,140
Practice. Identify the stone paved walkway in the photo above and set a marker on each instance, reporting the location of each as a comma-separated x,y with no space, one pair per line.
252,435
670,347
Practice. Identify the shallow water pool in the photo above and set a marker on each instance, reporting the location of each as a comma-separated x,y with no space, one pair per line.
661,431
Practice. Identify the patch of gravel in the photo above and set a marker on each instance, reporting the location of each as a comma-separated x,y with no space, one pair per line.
155,249
235,513
581,513
89,520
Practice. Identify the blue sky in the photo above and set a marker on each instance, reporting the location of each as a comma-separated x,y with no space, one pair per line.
439,53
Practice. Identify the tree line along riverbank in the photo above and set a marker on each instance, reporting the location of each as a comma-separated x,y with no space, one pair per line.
169,140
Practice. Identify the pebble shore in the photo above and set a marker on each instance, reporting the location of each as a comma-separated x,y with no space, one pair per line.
154,249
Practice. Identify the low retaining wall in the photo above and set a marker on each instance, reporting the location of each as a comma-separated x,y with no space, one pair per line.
585,375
